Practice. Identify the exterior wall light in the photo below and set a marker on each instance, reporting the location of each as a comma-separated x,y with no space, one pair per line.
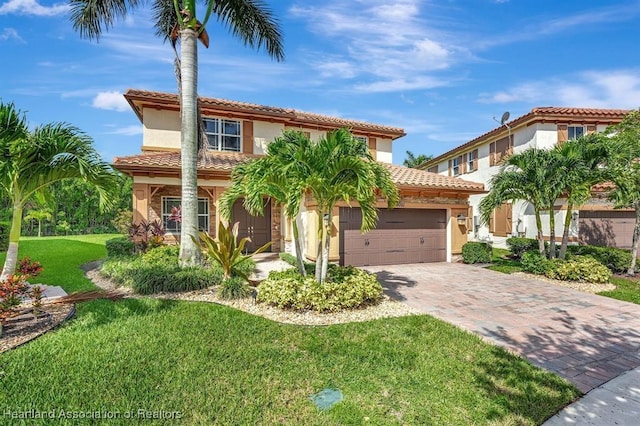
462,220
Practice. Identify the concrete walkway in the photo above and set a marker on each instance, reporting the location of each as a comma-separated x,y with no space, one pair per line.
585,338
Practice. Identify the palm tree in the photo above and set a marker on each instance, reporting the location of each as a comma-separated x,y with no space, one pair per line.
412,161
341,168
39,215
33,160
582,159
624,169
527,176
250,20
280,176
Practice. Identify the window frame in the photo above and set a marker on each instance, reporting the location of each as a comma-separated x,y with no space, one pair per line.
471,161
578,126
456,169
164,214
220,135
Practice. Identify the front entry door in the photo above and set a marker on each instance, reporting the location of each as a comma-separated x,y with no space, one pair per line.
258,228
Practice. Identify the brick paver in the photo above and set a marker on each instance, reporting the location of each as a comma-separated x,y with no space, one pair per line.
585,338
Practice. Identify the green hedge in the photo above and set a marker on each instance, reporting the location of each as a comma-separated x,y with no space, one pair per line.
476,252
519,246
345,288
119,247
617,260
5,229
577,268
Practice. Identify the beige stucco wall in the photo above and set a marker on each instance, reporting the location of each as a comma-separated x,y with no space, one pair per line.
263,134
161,129
383,151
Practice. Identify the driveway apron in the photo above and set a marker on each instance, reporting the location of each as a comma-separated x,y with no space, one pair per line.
585,338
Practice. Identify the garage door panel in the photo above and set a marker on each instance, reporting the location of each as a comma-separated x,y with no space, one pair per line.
607,228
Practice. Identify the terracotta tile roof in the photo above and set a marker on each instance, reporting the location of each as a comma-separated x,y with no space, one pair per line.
404,176
292,116
538,114
225,162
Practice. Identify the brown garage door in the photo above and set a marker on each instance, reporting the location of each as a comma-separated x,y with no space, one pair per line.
402,236
607,228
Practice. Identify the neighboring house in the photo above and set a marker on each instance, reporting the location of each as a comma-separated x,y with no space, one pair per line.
480,159
424,227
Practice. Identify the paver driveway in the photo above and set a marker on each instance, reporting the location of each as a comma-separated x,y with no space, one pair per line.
585,338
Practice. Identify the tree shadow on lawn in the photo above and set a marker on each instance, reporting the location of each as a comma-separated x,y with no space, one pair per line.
393,284
585,354
99,313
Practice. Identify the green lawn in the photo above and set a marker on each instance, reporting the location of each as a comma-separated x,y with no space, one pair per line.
217,365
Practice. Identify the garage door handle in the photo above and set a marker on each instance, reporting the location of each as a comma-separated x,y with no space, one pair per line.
366,242
421,240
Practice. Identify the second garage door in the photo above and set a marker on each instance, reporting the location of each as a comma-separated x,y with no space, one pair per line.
401,236
612,228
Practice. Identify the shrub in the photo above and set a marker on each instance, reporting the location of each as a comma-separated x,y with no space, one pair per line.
5,229
476,252
617,260
519,246
119,247
234,288
165,254
533,262
291,260
28,268
146,235
345,288
581,268
150,279
194,278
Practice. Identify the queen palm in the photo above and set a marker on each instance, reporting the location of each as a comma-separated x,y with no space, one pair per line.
250,20
342,169
529,176
582,158
33,160
280,175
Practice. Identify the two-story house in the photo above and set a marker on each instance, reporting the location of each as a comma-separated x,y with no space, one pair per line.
480,159
425,227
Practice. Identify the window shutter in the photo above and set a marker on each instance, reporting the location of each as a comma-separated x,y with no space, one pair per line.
464,164
492,154
373,147
475,159
450,167
563,134
247,137
307,135
509,218
591,128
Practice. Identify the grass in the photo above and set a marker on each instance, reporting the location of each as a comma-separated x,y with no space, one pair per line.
501,263
217,365
626,289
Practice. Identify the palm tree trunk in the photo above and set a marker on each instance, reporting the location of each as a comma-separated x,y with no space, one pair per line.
540,237
189,252
636,240
565,231
296,241
39,228
325,252
320,250
552,233
14,238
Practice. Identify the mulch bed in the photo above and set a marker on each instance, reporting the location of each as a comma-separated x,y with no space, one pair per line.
25,327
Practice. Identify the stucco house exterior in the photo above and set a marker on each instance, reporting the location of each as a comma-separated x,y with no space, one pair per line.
423,228
479,159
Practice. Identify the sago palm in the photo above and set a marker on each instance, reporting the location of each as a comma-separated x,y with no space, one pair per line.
249,20
33,160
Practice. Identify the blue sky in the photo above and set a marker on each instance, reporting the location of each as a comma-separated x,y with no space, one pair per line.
439,69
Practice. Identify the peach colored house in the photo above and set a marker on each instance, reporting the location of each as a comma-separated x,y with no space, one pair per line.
429,224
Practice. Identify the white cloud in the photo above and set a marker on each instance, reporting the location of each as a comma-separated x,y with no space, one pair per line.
387,43
595,89
127,130
113,101
11,34
32,7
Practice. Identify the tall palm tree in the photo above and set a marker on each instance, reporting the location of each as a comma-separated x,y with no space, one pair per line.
412,161
341,168
280,175
581,170
527,176
249,20
33,160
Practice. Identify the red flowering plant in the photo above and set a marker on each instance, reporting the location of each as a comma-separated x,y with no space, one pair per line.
15,287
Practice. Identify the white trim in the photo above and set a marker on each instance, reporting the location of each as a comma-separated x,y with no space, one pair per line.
220,134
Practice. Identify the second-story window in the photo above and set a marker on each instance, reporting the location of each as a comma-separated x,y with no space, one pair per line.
361,139
223,134
471,161
575,132
455,166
